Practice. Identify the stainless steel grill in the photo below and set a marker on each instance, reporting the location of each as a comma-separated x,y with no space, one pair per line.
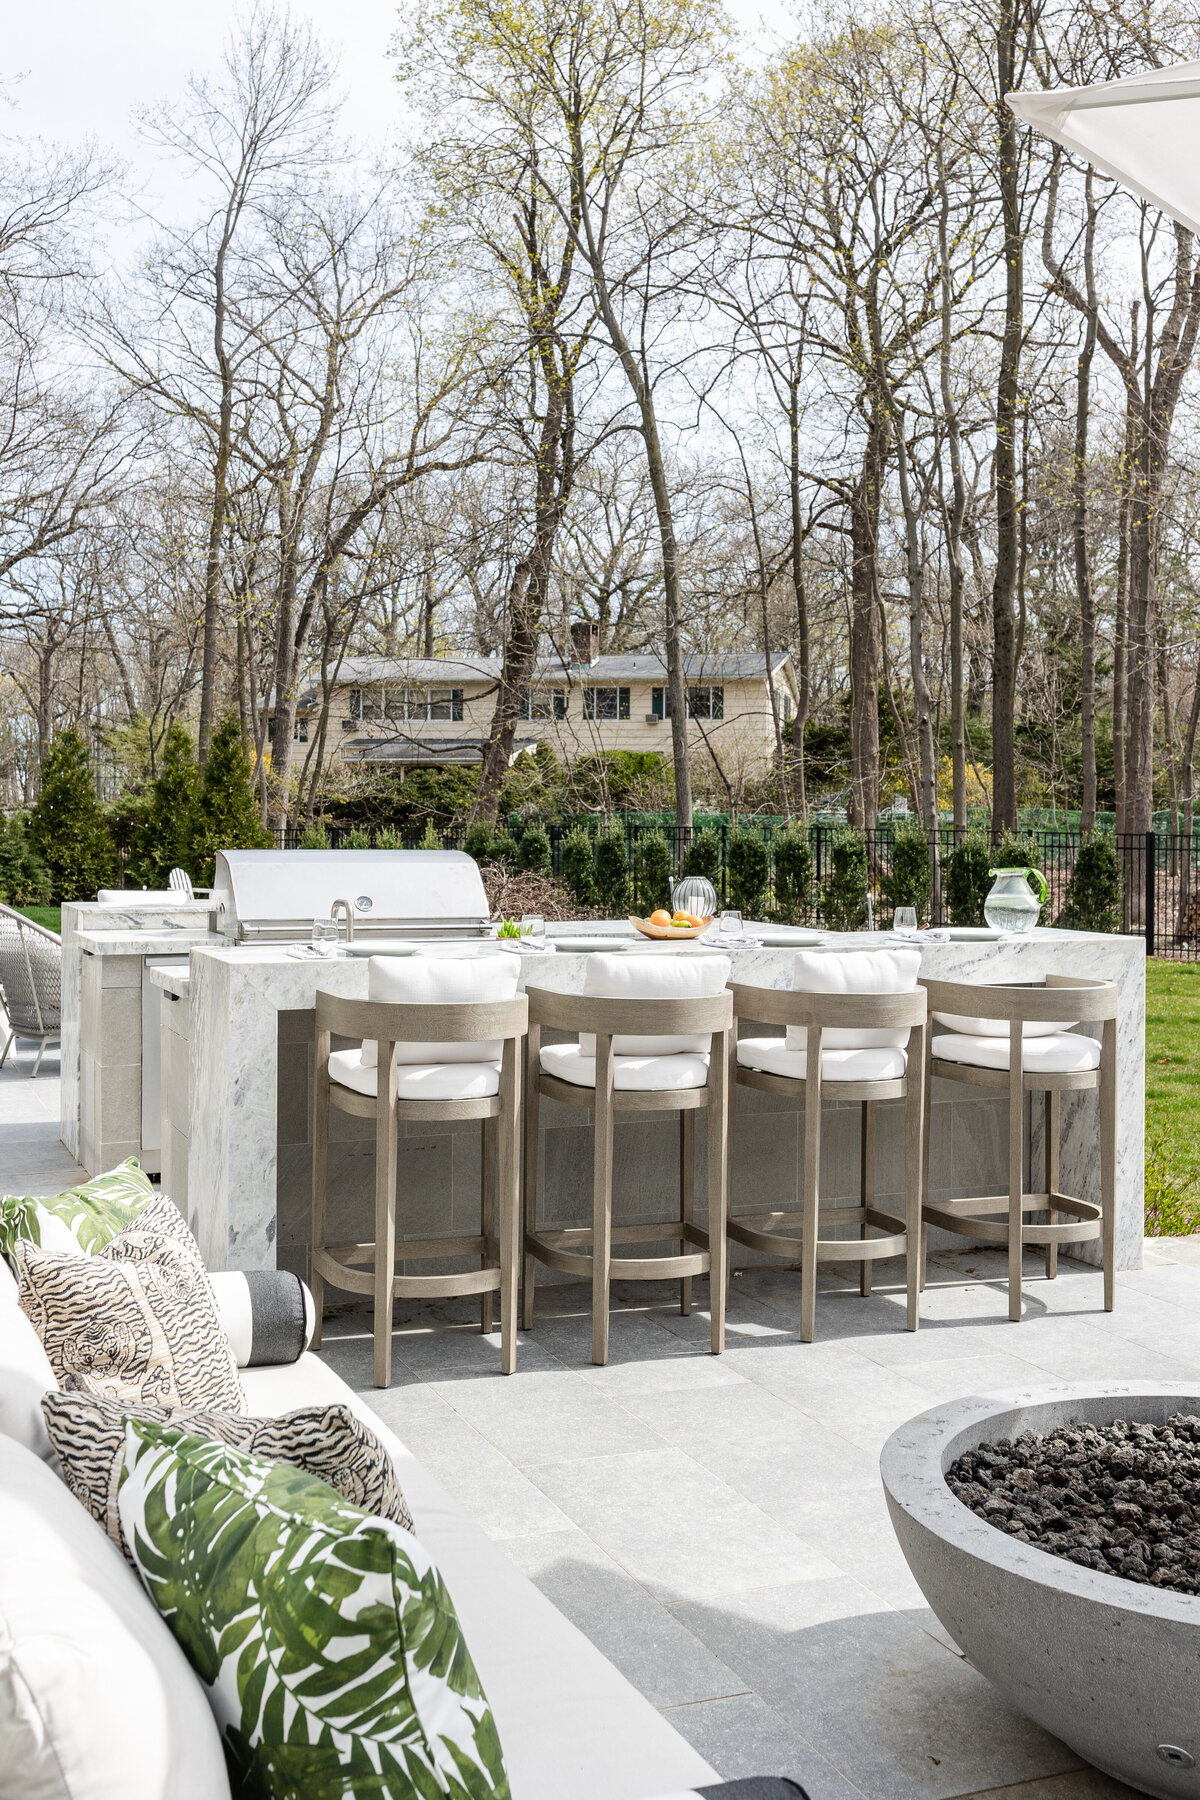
273,896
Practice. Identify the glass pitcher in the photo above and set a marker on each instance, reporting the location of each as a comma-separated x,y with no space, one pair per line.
1011,905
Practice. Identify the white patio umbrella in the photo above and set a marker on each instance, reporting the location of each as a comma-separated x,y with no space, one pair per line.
1144,131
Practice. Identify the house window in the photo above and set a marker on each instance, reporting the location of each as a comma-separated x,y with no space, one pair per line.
300,731
702,703
606,702
356,703
787,709
421,704
544,703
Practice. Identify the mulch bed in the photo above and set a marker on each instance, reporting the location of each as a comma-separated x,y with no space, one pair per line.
1123,1498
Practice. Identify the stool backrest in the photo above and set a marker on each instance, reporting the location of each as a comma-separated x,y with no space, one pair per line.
835,1015
868,972
476,1025
658,977
1063,1001
440,980
619,1019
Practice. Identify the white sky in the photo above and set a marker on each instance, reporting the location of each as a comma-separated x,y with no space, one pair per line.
76,69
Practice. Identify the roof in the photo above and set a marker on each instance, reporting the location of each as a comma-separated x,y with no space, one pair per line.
361,671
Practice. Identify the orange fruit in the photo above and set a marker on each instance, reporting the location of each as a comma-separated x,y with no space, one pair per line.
661,917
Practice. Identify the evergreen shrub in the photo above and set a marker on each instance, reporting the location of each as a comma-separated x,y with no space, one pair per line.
843,903
24,878
611,861
794,870
579,869
966,881
1093,897
651,873
534,852
67,828
749,872
909,882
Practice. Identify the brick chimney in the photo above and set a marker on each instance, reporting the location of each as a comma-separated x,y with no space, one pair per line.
585,643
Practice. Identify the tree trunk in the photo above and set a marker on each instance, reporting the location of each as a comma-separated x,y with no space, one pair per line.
1083,573
1004,585
803,641
864,629
953,515
927,797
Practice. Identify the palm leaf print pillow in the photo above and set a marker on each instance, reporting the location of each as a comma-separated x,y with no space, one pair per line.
325,1637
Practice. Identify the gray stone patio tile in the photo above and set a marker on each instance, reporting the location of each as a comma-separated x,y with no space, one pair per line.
842,1386
436,1353
644,1639
643,1356
762,1446
501,1500
1075,1352
675,1527
1081,1784
853,1530
741,1737
956,1379
882,1700
547,1416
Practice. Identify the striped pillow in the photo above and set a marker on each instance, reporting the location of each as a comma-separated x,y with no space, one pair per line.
138,1319
328,1441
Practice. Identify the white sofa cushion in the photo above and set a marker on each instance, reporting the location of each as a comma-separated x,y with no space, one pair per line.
572,1726
682,976
1065,1053
854,972
419,1081
97,1701
448,980
25,1375
772,1055
650,1074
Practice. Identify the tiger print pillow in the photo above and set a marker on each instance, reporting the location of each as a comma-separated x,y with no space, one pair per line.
328,1441
138,1319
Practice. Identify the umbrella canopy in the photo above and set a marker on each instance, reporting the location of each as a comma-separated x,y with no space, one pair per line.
1144,131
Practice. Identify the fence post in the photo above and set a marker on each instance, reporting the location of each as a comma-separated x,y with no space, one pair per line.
1151,871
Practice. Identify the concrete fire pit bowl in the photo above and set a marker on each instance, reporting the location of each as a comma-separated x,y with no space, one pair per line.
1110,1666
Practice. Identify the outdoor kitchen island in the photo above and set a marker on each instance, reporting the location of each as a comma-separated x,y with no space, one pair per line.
237,1104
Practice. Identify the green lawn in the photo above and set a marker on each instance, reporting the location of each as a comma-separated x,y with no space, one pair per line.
1172,1098
44,915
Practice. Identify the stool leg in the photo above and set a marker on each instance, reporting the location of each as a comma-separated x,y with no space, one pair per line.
602,1164
866,1187
385,1214
914,1185
1051,1126
812,1188
1016,1166
320,1176
487,1211
720,1078
1108,1158
508,1176
687,1193
926,1135
530,1167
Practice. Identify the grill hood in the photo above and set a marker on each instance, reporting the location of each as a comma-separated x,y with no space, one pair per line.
274,895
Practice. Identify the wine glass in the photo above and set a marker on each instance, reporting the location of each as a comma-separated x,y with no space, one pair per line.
904,920
730,924
533,927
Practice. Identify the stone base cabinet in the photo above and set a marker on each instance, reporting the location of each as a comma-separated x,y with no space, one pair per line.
1112,1667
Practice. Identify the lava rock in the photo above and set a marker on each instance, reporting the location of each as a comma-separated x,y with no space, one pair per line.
1122,1498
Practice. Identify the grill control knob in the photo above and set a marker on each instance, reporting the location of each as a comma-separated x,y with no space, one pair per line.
364,903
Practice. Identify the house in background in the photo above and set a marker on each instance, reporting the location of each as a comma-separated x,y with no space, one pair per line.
434,712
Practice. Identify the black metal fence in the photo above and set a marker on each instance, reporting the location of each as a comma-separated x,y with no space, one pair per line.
1160,871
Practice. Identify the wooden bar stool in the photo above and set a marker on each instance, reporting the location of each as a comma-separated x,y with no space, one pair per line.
610,1077
857,1044
488,1089
1025,1045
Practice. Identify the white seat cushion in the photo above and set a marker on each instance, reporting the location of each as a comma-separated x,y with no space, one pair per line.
418,1081
854,972
97,1699
1032,1028
1063,1054
25,1375
772,1055
448,980
652,1074
678,977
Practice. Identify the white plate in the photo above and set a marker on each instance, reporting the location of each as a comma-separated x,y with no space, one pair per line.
972,934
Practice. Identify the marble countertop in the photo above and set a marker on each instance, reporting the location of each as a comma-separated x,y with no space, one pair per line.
161,942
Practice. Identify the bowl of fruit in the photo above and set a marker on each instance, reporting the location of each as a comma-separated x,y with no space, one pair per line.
664,924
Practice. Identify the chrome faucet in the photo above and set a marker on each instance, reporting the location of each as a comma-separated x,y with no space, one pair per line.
348,913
